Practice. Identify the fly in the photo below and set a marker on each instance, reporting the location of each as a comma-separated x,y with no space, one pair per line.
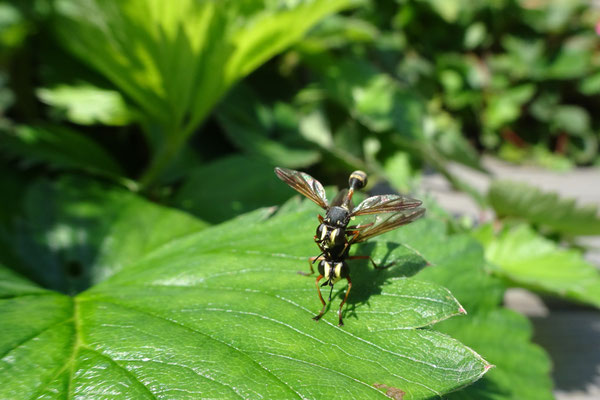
334,237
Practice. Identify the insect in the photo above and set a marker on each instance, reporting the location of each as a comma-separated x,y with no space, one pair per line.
334,237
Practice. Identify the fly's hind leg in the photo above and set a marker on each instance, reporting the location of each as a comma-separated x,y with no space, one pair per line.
341,322
318,317
311,261
386,266
353,235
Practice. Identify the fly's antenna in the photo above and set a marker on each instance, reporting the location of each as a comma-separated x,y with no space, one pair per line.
330,292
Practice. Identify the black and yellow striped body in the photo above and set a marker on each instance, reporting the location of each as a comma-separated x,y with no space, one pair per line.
331,233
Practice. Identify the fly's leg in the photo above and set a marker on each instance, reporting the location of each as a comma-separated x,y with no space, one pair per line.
318,240
352,239
372,262
318,317
311,261
353,233
341,322
356,226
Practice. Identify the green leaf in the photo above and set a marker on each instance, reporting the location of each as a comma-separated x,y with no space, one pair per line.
574,59
546,210
223,313
572,119
475,35
87,104
528,259
385,106
256,130
74,234
339,30
448,10
230,186
374,98
444,133
456,260
400,172
536,155
61,147
505,107
525,58
590,85
14,28
11,285
175,63
502,336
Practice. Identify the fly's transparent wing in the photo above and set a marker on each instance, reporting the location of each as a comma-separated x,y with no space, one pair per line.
304,184
384,204
379,224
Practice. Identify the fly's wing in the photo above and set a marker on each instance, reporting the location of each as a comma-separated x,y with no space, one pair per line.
379,224
384,204
304,184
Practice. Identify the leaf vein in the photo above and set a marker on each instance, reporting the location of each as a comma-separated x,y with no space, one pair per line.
125,370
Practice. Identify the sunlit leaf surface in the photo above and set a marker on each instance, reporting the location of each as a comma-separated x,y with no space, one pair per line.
223,313
87,104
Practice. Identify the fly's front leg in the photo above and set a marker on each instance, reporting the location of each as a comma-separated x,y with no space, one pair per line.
318,317
372,262
341,322
311,261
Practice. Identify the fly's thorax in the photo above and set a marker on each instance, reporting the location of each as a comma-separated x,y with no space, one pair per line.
333,271
337,216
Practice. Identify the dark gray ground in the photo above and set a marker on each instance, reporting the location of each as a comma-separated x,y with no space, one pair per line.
570,333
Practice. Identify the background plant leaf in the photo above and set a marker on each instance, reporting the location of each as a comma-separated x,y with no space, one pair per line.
86,104
60,147
175,63
528,259
546,210
261,131
226,188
